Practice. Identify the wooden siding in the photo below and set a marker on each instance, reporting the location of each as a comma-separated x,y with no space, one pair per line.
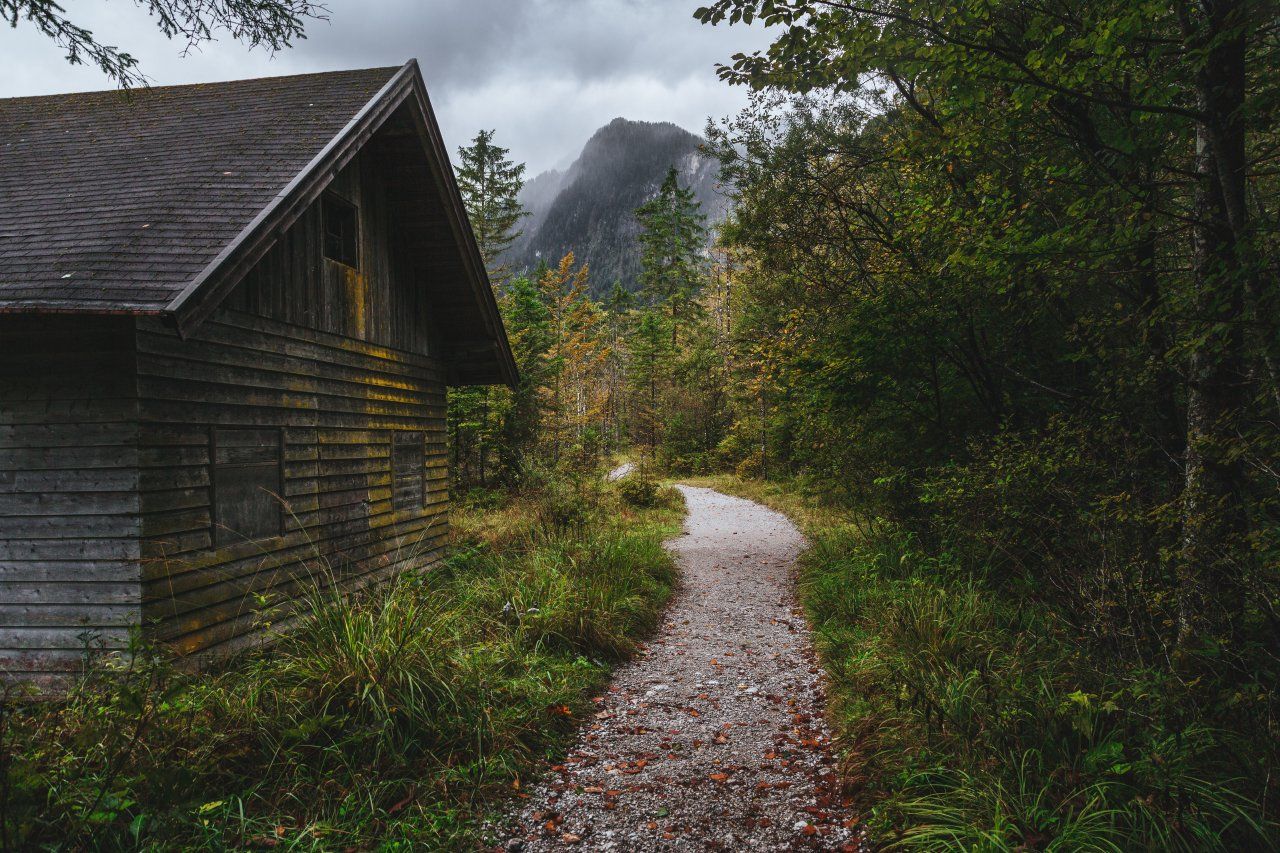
339,360
384,301
69,504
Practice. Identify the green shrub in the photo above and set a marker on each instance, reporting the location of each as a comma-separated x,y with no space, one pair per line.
985,726
751,466
638,490
567,505
480,498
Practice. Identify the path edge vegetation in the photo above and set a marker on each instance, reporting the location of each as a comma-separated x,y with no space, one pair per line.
968,717
400,717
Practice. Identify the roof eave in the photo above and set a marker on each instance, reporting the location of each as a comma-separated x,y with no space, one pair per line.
477,276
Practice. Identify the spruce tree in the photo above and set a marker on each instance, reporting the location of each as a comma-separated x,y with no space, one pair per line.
673,236
650,356
528,323
490,184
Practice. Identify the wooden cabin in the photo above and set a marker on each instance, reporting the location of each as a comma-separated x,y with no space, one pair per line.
228,316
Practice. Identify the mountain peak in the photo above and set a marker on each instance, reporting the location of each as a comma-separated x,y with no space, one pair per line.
589,208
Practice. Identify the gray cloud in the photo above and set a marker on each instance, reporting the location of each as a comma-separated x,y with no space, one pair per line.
543,73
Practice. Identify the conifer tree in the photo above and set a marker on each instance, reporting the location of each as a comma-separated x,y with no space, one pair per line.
528,323
490,185
673,236
650,357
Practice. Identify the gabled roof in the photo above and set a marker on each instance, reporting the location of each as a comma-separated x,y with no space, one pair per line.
159,200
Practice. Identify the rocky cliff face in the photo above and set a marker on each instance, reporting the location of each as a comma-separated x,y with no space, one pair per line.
589,208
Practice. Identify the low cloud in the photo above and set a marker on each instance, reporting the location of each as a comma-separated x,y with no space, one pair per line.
543,73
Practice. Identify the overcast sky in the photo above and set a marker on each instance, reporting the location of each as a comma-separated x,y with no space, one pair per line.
543,73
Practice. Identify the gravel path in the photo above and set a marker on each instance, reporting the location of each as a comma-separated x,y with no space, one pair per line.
713,739
621,471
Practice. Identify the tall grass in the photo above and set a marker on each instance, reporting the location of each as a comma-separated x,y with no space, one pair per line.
393,715
974,718
986,724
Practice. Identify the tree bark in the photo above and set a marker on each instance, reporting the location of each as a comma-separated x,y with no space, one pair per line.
1213,518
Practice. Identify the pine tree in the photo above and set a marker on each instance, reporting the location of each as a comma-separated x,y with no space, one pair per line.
673,236
528,323
490,185
650,359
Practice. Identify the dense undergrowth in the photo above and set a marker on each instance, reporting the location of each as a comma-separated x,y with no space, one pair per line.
392,718
978,718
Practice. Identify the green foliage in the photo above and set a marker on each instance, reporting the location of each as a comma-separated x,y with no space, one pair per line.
528,323
486,422
979,723
650,356
490,186
997,285
566,505
672,236
638,490
392,716
274,24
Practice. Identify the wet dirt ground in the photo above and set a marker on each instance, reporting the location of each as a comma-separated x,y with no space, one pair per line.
713,738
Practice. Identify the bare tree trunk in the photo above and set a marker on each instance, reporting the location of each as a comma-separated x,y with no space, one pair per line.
764,434
1212,511
484,430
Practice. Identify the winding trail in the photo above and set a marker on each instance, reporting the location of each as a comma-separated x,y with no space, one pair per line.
712,739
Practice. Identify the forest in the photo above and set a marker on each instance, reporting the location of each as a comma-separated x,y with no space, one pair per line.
997,292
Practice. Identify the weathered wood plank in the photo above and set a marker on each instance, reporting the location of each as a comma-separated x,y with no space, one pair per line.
71,616
41,571
68,592
33,638
191,629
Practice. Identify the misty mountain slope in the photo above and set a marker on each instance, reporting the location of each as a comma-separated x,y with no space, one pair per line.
537,197
590,207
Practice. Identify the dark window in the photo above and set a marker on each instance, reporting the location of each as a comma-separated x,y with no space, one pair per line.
408,482
341,230
246,485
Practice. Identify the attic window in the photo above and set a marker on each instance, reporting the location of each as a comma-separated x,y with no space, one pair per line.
341,230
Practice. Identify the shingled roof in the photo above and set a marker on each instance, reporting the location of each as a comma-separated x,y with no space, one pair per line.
157,200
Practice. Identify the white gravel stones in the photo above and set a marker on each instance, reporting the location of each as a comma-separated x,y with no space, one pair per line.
621,471
677,760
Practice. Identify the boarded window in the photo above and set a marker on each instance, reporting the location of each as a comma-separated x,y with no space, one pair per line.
341,230
408,481
247,483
